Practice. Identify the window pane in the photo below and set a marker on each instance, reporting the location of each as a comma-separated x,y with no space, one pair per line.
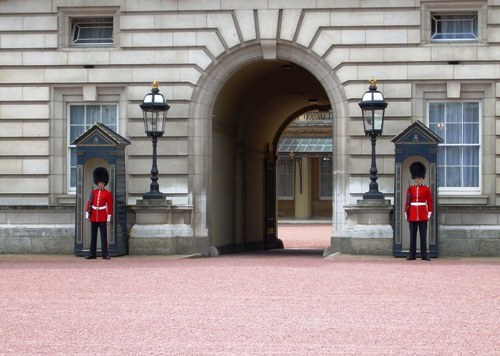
109,116
454,112
453,133
93,115
453,177
471,177
326,177
471,156
471,112
459,154
441,177
453,155
72,153
285,177
471,133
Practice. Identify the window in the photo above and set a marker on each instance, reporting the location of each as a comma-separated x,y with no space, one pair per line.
325,180
81,118
454,27
285,178
94,31
458,124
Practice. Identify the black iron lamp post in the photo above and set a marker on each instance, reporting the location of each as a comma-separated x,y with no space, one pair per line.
154,109
373,106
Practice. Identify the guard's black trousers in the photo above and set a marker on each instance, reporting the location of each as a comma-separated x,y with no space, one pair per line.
103,231
421,226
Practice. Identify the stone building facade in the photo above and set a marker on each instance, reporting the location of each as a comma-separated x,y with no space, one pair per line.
235,73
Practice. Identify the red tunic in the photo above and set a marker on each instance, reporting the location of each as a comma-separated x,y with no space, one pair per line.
102,205
418,202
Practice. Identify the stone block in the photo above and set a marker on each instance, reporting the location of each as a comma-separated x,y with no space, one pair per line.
456,247
353,37
36,129
412,54
152,240
26,111
246,23
289,22
39,23
401,18
311,22
68,75
268,23
225,24
35,166
434,71
16,76
20,41
487,247
137,22
24,185
45,58
326,39
36,93
386,36
24,148
41,238
89,57
111,75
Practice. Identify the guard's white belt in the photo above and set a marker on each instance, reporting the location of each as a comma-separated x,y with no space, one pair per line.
418,204
104,207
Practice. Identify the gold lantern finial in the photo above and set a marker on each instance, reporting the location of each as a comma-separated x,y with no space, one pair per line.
373,81
155,84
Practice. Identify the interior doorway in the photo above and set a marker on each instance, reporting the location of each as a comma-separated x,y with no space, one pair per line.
251,111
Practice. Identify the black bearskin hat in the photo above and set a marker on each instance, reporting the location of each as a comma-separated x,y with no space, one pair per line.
417,170
101,175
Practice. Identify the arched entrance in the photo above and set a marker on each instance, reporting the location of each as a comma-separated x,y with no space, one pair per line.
243,102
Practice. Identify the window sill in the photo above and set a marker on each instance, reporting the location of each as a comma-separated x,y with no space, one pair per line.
463,200
66,199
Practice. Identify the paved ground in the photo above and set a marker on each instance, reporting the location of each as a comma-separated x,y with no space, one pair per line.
291,302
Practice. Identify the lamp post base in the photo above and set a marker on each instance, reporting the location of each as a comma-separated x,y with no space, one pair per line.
154,195
373,195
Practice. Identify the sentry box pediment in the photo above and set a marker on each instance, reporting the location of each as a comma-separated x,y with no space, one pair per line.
100,135
415,134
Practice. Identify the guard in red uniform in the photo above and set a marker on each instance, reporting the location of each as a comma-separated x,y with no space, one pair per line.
418,210
99,211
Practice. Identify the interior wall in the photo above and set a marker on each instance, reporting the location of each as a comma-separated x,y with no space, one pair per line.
223,189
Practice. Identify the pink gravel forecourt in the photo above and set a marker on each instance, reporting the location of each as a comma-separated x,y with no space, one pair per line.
276,302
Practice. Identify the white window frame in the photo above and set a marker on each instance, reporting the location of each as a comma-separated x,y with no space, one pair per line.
278,176
72,189
429,9
69,15
80,23
450,37
321,174
462,190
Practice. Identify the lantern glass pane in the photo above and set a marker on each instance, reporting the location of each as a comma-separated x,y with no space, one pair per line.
378,119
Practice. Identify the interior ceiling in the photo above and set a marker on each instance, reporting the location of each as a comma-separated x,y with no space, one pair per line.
262,95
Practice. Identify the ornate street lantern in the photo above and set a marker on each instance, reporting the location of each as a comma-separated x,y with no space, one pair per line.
373,107
154,109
